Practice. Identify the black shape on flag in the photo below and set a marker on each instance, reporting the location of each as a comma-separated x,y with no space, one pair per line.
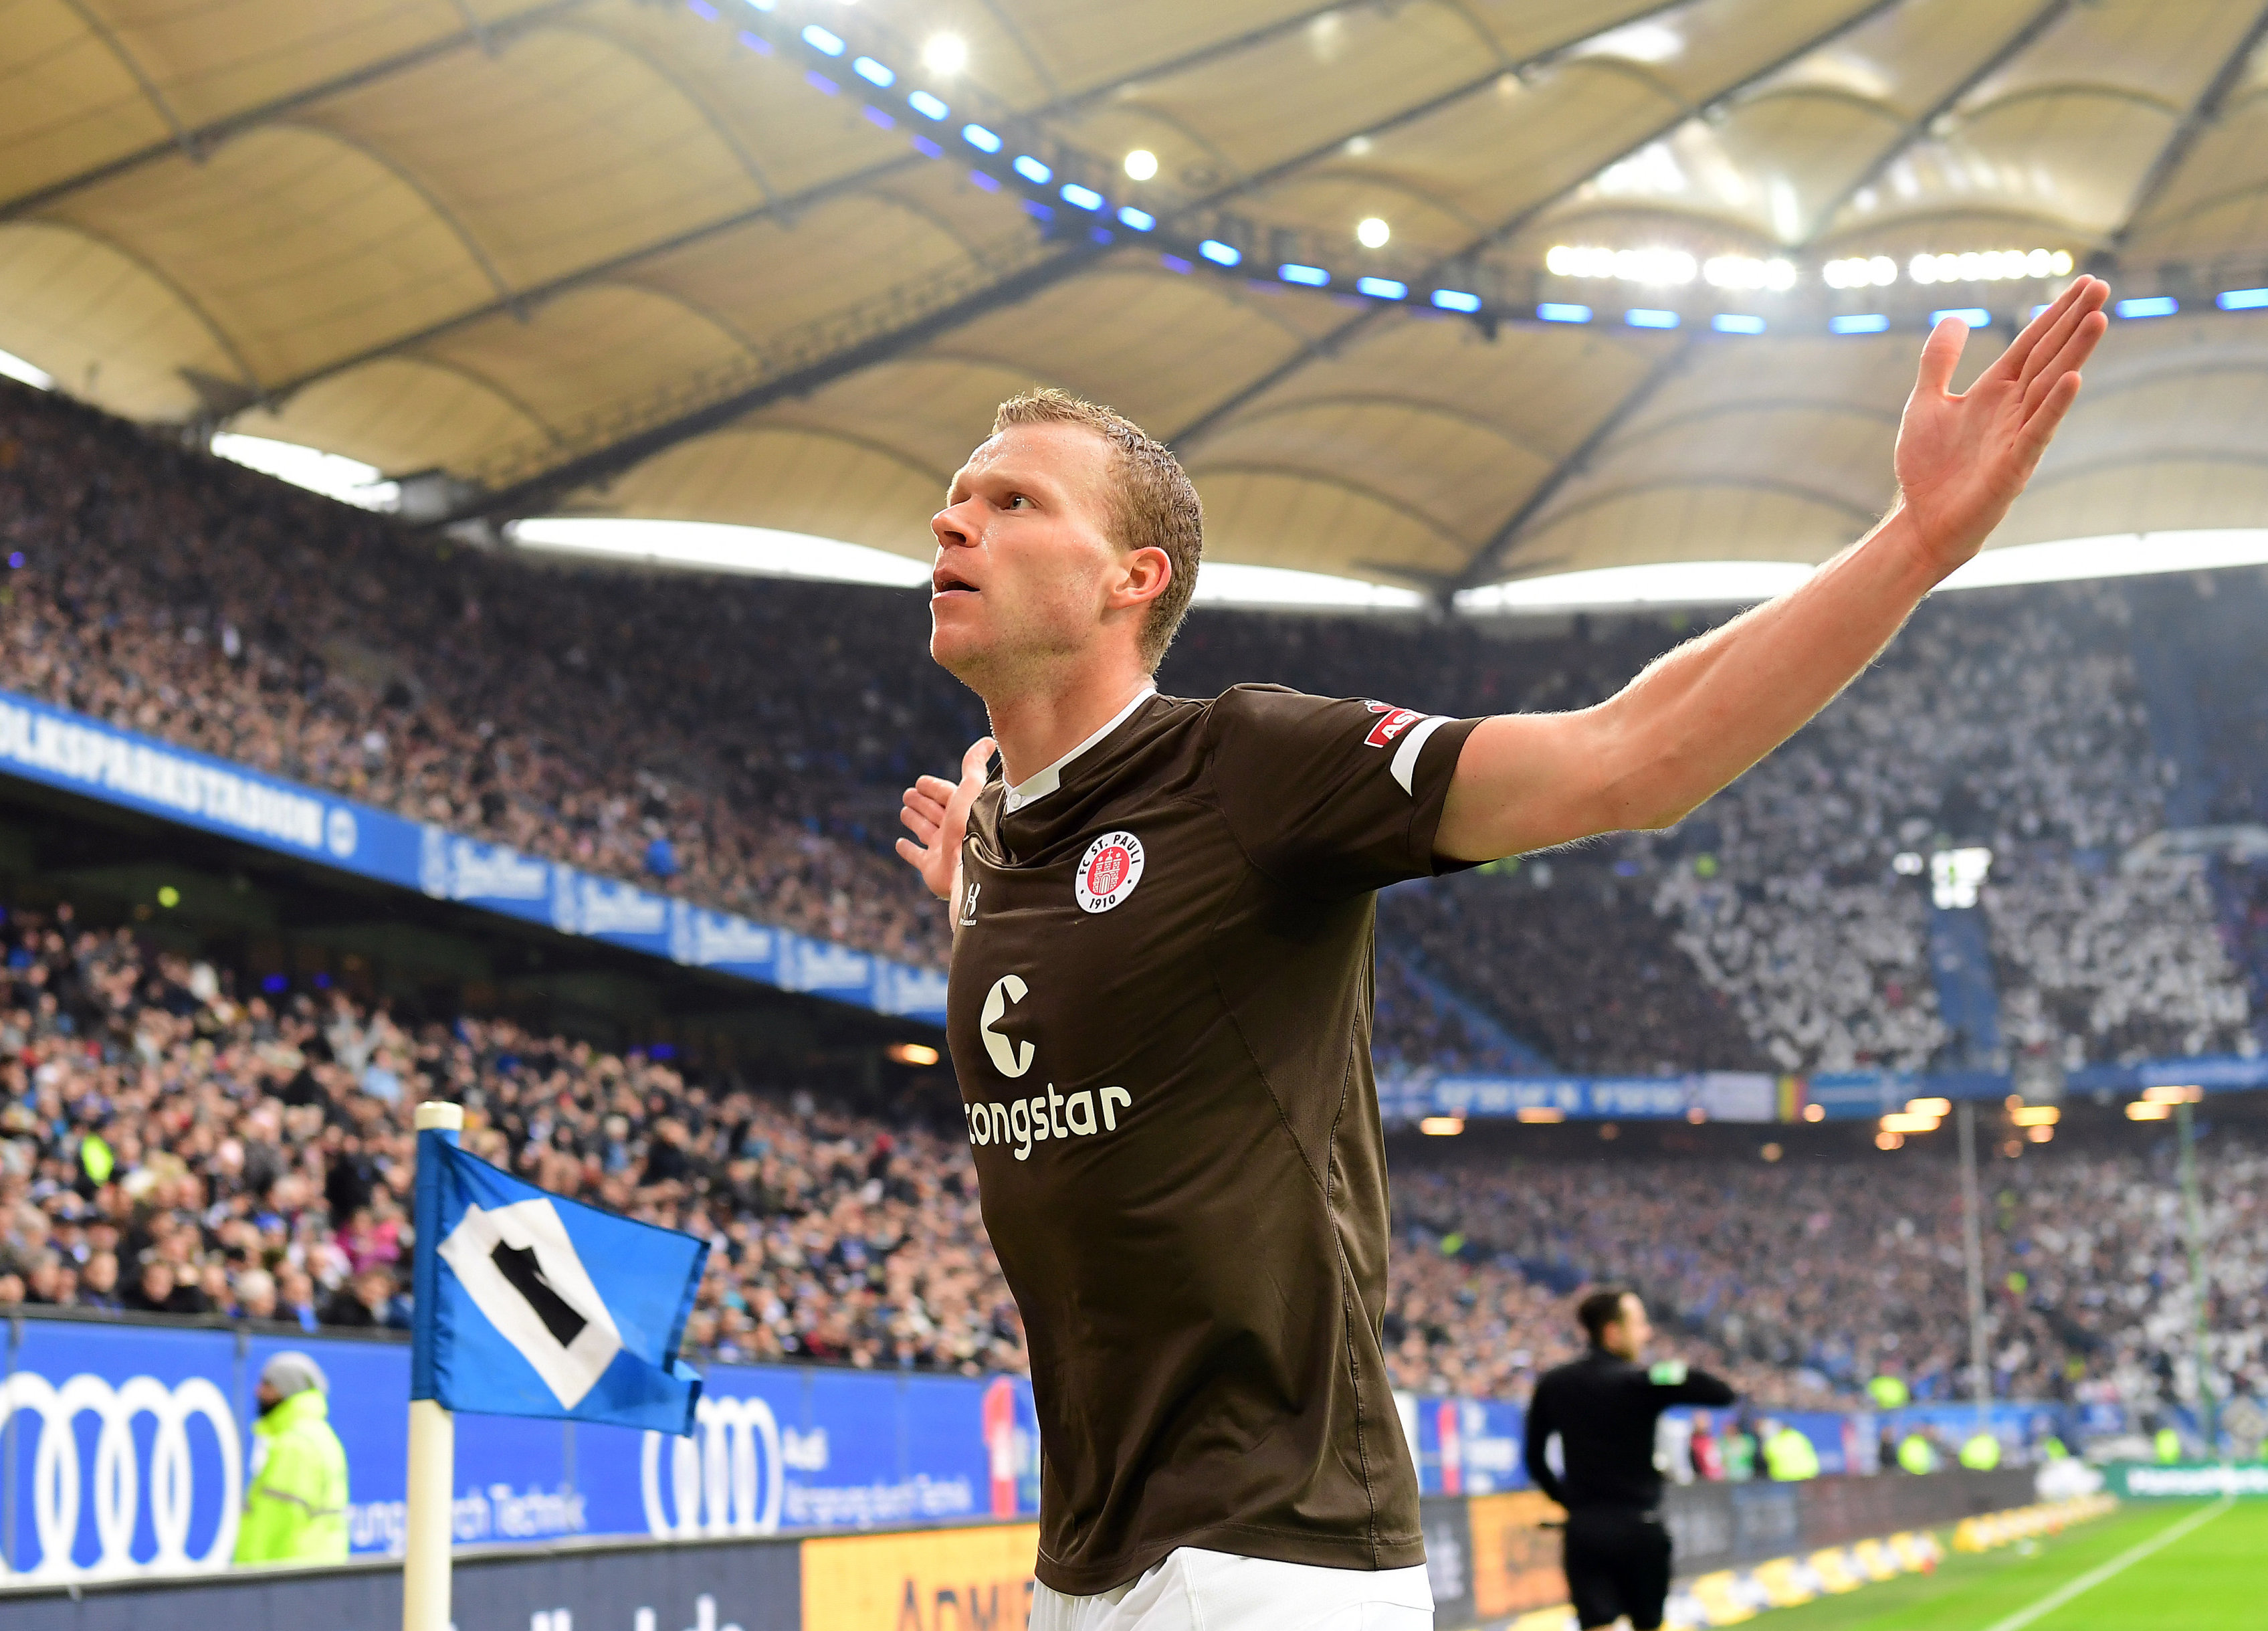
525,1275
519,1266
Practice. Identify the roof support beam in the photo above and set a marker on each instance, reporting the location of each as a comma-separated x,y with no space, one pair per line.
189,302
183,140
2194,124
1433,105
1490,557
1331,344
1448,412
1398,503
605,271
205,137
448,217
690,95
2033,27
521,498
1024,48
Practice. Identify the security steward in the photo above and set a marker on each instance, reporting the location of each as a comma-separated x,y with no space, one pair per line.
295,1509
1602,1409
1789,1456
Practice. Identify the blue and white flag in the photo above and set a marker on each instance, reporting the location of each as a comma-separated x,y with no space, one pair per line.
532,1304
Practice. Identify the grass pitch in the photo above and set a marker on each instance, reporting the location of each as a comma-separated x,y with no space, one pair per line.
2212,1575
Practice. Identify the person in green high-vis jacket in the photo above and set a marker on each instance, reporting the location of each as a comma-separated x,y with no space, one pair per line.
1789,1458
1916,1454
295,1511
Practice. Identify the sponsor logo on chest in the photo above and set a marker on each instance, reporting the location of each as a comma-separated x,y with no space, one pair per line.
1022,1123
1108,872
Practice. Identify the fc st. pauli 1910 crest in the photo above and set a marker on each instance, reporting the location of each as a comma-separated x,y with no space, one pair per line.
1108,871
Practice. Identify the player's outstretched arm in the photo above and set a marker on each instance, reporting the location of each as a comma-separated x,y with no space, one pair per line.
1695,720
937,810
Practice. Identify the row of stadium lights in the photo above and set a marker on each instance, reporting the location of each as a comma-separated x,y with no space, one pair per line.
2037,1122
946,55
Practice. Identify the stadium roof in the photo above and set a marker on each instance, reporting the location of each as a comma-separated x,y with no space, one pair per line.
759,261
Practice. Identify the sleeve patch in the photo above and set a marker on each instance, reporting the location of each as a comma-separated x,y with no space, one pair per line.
1392,722
1668,1373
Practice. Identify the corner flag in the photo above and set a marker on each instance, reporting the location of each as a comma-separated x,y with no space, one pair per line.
532,1304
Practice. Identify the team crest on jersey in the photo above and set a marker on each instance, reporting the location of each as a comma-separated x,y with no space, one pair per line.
1108,872
1392,722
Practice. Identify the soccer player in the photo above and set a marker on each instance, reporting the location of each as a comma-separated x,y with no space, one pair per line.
1603,1408
1162,984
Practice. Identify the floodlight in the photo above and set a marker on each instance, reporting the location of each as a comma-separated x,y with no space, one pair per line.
945,54
1141,164
1373,233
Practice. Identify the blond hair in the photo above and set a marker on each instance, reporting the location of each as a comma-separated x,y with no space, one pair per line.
1154,506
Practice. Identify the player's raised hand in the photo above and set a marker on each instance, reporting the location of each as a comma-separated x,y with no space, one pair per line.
1962,459
937,810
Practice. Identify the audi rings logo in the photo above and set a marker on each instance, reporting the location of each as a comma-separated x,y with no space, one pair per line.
725,1478
121,1482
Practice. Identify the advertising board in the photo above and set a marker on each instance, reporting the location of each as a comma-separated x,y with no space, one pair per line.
127,1444
60,748
952,1580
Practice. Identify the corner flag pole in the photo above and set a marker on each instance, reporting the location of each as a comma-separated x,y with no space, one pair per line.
432,1437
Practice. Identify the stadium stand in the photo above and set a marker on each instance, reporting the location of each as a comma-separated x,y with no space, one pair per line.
172,1146
742,742
1806,1279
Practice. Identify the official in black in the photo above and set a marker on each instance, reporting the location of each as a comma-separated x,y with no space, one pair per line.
1602,1409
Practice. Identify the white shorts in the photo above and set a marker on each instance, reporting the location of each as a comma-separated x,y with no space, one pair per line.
1194,1589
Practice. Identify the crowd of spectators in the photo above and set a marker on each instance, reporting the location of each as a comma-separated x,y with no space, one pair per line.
169,1145
2010,720
742,742
1803,1280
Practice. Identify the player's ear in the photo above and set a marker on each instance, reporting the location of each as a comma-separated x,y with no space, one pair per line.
1143,576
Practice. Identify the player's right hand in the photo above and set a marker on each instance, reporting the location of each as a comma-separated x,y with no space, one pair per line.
937,811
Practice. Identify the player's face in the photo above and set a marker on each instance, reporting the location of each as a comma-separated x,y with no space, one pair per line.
1627,1336
1026,572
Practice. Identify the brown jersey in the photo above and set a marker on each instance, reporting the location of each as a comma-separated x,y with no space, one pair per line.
1159,1014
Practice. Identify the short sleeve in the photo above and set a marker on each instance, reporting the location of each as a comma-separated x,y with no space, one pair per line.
1330,797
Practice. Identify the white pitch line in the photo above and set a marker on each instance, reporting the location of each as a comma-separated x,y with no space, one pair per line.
2125,1561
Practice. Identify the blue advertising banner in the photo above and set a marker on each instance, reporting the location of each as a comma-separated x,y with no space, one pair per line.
1753,1097
64,749
126,1449
1714,1095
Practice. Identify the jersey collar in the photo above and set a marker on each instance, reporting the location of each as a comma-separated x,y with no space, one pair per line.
1039,785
